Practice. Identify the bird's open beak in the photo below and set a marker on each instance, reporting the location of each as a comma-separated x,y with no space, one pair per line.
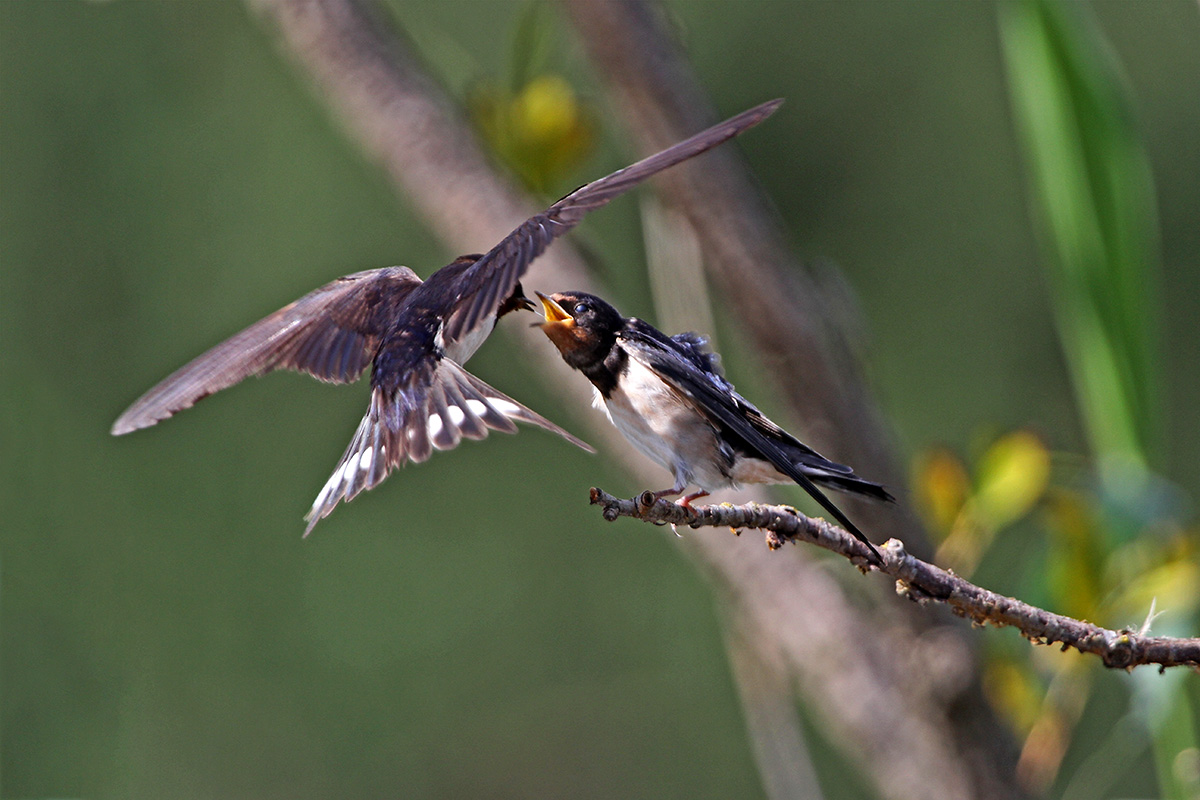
555,314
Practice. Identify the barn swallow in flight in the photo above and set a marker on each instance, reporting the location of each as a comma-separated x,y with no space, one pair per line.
415,335
670,400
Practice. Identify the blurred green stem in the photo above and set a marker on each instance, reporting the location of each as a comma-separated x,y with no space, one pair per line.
1094,199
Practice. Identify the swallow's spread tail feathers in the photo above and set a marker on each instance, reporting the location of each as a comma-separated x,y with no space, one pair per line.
406,425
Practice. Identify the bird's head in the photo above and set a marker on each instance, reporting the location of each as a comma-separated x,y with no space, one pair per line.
582,326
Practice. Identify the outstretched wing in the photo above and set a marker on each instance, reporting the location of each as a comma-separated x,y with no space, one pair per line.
494,276
437,410
330,333
743,424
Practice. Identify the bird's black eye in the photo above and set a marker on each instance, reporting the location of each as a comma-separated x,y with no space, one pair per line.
581,308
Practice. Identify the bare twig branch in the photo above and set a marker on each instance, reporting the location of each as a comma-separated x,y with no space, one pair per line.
917,579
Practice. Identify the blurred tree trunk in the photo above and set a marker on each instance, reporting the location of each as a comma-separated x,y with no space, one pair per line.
896,690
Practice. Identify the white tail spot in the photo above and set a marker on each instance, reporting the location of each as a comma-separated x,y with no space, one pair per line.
348,469
505,407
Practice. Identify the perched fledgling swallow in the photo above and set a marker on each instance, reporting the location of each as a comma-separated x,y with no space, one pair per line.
415,335
669,399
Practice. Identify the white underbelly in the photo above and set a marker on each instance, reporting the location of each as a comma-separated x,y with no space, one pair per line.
665,427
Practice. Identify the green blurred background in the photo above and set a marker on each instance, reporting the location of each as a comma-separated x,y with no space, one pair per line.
166,178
